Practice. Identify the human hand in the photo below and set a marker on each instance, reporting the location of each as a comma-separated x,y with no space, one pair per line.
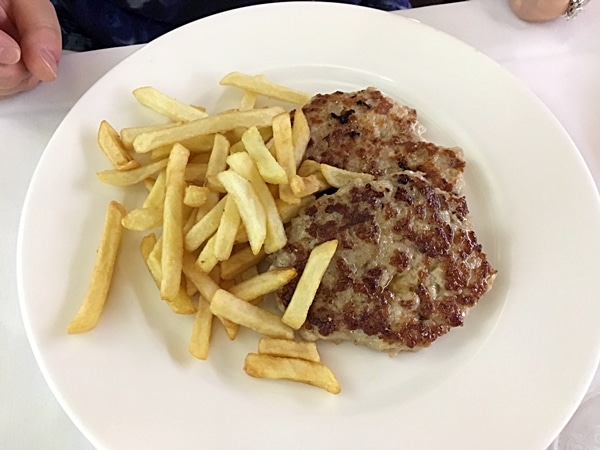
539,10
30,44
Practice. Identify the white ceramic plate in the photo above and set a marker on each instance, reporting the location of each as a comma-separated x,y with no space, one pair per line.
510,378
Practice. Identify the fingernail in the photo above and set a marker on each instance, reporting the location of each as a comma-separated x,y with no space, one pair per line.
50,61
9,55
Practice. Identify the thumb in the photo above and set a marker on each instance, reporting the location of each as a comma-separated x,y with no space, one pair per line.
40,37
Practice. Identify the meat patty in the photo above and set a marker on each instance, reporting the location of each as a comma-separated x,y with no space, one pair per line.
407,269
366,131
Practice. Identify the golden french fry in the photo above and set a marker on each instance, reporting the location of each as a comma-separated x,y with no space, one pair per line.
289,349
263,283
131,177
106,257
248,101
195,196
172,248
293,369
206,259
251,210
156,196
269,168
230,307
304,294
167,106
300,135
203,282
227,230
309,167
143,219
205,227
110,143
338,178
284,153
311,184
151,250
201,330
149,183
130,133
207,287
195,172
260,85
275,238
217,162
219,123
240,261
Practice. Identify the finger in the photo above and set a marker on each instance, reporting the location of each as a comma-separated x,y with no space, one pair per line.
15,78
41,41
10,52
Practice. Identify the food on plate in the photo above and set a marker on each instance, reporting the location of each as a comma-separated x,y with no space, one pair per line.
365,131
407,269
408,266
293,369
333,220
89,313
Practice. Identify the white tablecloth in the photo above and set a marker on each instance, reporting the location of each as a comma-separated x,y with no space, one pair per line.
559,61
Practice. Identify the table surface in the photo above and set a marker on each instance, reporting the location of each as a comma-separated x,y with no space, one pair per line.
559,61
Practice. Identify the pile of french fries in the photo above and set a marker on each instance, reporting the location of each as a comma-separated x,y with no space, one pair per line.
221,188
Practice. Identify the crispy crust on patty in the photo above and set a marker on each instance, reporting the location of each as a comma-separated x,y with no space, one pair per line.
407,269
365,131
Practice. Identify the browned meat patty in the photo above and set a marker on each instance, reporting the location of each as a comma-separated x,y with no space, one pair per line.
366,131
407,269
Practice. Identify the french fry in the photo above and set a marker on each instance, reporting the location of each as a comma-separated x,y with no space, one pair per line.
203,282
304,294
217,162
167,106
269,168
293,369
251,210
195,196
143,219
311,184
106,257
207,259
131,177
260,85
230,307
308,167
275,238
201,330
284,152
205,227
263,283
239,261
300,135
151,250
110,143
130,133
207,287
195,172
219,123
289,349
156,196
227,230
248,101
338,178
172,247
